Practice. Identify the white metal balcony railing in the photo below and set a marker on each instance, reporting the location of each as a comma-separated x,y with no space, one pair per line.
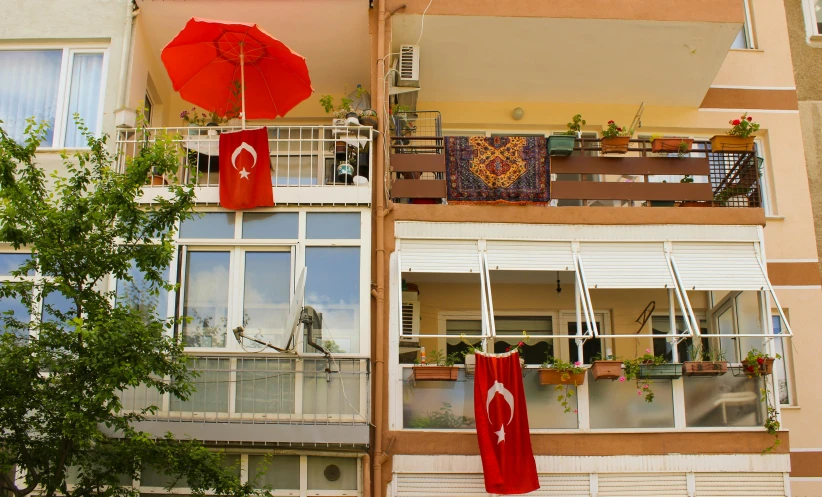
268,399
309,164
722,402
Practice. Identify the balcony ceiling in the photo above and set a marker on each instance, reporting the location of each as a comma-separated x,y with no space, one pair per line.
332,35
510,59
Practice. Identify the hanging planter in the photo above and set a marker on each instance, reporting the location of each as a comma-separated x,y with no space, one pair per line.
606,369
704,368
679,145
550,376
615,145
728,143
758,367
435,373
561,145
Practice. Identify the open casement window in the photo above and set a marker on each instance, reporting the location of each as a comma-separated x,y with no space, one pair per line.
728,270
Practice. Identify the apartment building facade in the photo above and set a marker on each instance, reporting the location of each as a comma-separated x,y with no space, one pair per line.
302,415
617,260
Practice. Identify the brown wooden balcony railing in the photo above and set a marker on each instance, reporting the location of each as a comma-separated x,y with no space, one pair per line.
641,177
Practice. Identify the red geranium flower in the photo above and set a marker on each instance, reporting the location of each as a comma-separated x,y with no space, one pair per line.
750,118
619,129
610,122
520,344
749,369
760,361
508,349
736,122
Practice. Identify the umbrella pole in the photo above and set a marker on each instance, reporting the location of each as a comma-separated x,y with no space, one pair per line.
242,82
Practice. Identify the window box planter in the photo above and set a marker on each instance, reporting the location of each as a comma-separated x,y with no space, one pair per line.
561,145
730,143
671,144
704,368
470,364
548,376
615,145
660,371
764,368
435,373
606,370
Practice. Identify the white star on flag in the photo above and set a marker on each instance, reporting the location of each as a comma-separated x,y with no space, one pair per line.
244,174
500,434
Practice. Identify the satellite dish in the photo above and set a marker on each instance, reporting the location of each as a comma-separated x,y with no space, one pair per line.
296,309
637,122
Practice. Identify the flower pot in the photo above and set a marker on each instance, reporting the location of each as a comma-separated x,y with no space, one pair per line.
615,145
339,147
606,370
704,368
369,121
671,144
193,132
470,364
561,145
764,368
730,143
667,371
549,376
435,373
157,180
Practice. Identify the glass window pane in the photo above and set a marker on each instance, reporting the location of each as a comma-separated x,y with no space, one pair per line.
54,303
332,473
780,366
211,392
544,411
749,321
278,472
329,398
17,311
209,225
437,404
333,288
722,401
725,321
817,10
590,348
619,405
29,81
741,40
84,96
266,297
270,225
11,262
138,294
206,299
331,225
150,477
265,386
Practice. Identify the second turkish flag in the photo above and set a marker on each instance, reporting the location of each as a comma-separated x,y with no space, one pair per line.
502,425
245,170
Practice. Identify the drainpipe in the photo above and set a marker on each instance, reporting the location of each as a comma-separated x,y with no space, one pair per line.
125,62
366,475
379,194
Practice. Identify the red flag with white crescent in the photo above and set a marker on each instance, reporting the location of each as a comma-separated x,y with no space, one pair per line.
245,170
502,425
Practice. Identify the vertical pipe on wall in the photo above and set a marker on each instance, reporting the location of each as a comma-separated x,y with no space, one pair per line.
125,61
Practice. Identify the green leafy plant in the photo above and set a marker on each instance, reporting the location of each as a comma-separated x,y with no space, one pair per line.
193,117
576,124
340,111
754,367
698,353
441,418
632,370
687,179
566,369
732,191
754,363
743,127
614,130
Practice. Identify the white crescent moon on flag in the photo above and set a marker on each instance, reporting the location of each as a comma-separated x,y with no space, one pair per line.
496,388
248,148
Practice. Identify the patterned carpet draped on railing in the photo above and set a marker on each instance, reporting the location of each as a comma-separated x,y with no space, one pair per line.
497,170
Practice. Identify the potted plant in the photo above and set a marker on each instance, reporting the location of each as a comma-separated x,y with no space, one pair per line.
737,192
647,367
681,146
563,145
369,118
739,138
563,374
615,139
757,364
609,368
193,120
710,363
440,368
343,113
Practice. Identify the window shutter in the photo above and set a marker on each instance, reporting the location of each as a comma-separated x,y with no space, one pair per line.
642,484
625,265
737,484
718,266
439,256
442,485
529,256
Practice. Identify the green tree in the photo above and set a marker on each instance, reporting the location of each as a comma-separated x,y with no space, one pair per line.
60,378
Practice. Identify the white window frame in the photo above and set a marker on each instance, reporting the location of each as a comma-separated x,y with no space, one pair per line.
787,360
61,117
814,36
747,27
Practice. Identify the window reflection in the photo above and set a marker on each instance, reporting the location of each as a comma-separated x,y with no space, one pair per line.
266,297
333,289
206,299
138,294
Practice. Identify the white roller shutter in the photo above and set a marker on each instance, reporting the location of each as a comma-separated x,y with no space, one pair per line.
529,256
740,484
718,266
439,256
578,485
642,484
625,265
440,485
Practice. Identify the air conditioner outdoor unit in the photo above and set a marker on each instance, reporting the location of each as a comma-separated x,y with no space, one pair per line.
409,66
410,316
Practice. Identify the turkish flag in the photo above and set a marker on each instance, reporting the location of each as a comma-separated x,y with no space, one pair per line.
245,170
502,425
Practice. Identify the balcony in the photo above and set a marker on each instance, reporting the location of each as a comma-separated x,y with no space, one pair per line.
266,399
639,178
304,162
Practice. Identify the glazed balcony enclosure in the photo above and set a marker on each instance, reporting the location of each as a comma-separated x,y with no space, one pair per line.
429,168
309,164
689,300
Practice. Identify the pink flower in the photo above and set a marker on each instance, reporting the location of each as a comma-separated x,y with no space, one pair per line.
647,351
577,364
576,411
645,387
736,122
639,392
750,118
622,379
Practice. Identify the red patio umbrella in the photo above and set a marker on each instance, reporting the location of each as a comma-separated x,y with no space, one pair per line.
207,57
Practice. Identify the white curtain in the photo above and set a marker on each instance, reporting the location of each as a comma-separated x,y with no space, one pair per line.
84,96
28,88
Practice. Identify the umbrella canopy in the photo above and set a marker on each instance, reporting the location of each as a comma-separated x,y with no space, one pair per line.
209,61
